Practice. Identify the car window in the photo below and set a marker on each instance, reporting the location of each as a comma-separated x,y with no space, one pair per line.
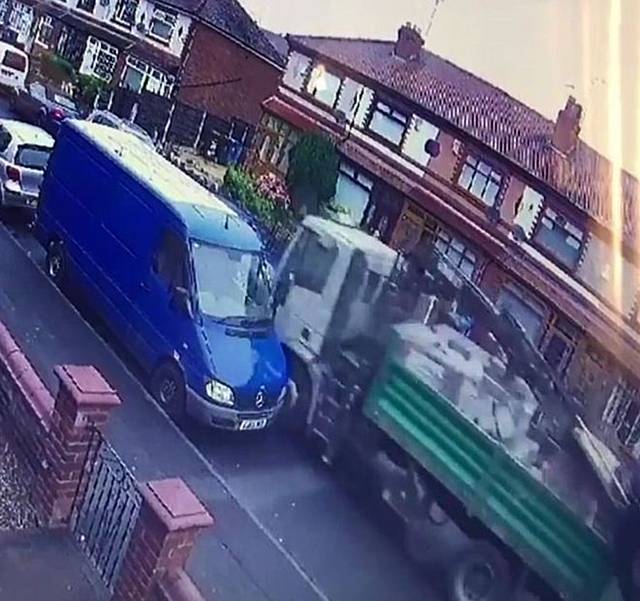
16,61
38,91
33,157
5,139
170,261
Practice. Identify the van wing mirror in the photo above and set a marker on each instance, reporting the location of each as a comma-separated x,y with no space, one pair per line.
181,301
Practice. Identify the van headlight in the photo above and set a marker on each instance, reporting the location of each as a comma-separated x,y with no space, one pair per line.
219,392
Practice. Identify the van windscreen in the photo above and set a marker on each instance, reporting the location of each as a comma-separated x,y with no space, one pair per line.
232,285
16,61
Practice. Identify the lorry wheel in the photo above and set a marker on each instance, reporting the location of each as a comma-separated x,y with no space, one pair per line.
56,262
168,388
480,574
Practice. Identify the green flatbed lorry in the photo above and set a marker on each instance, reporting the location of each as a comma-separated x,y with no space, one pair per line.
504,523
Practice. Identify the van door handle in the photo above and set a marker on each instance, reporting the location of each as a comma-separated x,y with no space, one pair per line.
145,286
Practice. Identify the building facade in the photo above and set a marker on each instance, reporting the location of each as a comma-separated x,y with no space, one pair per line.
518,202
147,46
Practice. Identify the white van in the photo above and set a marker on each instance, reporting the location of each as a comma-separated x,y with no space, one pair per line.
14,66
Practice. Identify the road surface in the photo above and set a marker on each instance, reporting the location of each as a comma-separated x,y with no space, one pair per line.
333,548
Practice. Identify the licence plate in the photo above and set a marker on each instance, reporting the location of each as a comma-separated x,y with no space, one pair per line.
253,424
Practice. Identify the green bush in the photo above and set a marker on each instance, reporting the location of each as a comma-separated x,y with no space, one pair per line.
88,87
313,170
57,68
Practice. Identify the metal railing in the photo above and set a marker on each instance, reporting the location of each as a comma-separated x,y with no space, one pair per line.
105,508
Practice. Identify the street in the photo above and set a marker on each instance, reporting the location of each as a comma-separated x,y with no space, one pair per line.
273,496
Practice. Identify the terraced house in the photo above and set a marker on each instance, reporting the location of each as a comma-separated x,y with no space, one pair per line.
520,203
209,54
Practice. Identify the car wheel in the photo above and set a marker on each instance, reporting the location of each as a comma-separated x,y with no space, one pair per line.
168,388
56,262
480,574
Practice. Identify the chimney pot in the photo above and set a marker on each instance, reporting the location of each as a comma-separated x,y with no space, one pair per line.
567,127
409,43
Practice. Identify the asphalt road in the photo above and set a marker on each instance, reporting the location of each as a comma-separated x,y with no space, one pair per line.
335,547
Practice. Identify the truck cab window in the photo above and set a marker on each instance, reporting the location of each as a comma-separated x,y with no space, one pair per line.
315,262
169,261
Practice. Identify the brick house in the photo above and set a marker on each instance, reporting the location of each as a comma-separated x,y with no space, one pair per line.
520,203
156,46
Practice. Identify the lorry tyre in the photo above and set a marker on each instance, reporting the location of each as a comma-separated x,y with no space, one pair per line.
168,388
480,574
56,262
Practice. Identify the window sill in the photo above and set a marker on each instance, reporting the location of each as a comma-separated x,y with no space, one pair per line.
159,39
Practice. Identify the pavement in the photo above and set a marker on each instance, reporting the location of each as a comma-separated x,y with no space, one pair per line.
34,565
286,529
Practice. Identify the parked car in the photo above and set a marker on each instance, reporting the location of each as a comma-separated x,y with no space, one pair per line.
112,120
14,66
24,153
176,274
44,105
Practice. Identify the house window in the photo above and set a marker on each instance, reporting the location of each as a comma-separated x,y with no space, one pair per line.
353,191
297,68
20,19
139,76
457,252
125,12
277,140
623,413
480,179
101,60
162,24
559,344
44,34
418,134
87,5
560,238
388,123
324,86
528,313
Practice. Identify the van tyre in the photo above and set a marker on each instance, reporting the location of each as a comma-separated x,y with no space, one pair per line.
56,263
480,574
168,388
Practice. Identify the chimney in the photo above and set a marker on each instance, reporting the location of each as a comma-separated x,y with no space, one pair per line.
567,127
409,42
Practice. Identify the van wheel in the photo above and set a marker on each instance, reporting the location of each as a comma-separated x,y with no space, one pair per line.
480,574
168,388
56,263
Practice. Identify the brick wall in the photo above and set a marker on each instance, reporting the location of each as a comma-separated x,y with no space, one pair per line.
213,58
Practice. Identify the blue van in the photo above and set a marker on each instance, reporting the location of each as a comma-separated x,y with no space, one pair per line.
173,271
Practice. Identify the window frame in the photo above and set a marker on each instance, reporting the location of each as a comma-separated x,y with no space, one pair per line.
178,274
160,13
311,94
315,279
88,6
120,10
102,47
559,220
623,398
45,22
440,236
389,113
476,169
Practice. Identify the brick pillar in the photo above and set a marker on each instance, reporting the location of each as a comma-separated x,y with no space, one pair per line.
170,518
84,398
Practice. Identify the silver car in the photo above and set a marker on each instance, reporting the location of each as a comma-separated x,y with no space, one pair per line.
111,120
24,153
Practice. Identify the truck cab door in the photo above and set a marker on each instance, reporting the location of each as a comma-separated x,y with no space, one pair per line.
313,274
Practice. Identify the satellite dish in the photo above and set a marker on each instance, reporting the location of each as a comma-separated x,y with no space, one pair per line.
432,148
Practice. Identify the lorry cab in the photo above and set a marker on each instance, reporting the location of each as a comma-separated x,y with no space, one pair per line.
326,278
175,273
